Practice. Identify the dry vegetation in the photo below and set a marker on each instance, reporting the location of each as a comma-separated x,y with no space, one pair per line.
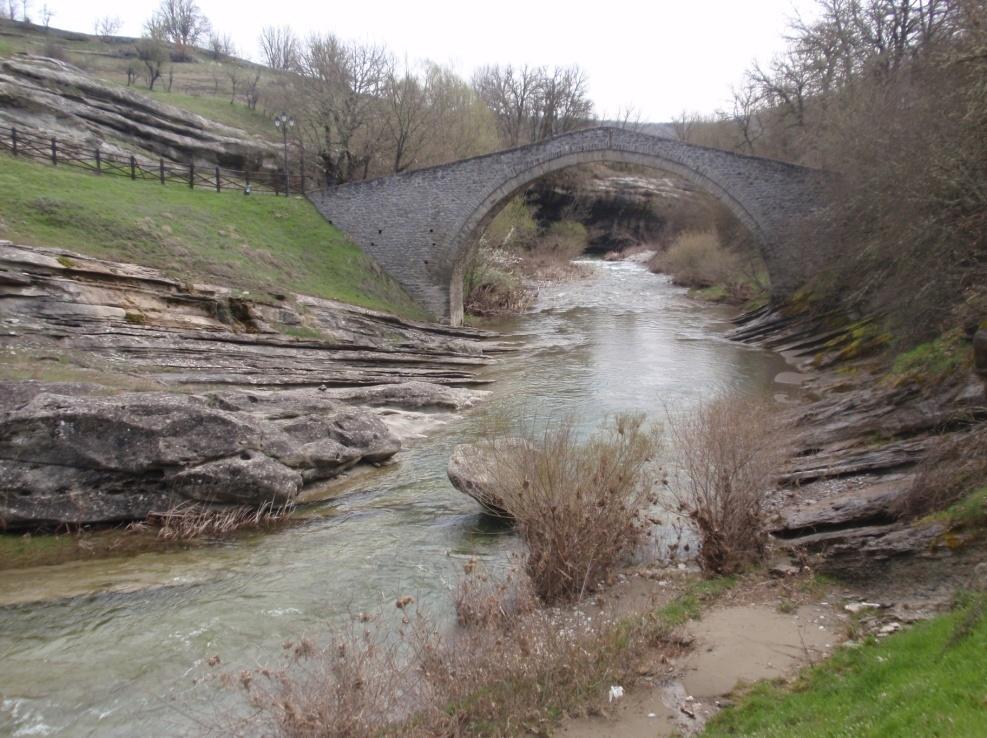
892,96
513,251
191,521
954,470
578,504
512,673
730,452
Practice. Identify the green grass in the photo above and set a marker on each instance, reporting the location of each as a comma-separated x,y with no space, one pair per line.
217,108
259,244
968,513
930,680
933,360
689,605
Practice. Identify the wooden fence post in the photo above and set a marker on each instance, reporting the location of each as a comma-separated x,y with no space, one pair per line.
217,179
99,162
161,170
54,151
133,168
191,175
13,139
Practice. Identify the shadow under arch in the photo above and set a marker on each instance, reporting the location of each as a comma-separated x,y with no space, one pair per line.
467,236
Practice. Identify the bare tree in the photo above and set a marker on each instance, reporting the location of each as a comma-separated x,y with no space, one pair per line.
152,51
511,94
745,113
46,15
235,73
561,102
107,27
251,90
221,45
182,23
409,116
10,12
280,47
344,83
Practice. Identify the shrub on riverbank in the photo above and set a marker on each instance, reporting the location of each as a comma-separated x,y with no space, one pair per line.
700,260
730,451
577,504
509,674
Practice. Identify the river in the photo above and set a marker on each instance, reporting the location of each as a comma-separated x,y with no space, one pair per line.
123,659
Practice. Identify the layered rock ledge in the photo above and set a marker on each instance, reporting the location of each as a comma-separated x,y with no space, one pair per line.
123,391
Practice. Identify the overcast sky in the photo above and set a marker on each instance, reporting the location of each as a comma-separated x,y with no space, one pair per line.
661,57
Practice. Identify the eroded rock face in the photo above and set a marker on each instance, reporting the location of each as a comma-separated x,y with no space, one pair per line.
472,470
70,456
54,98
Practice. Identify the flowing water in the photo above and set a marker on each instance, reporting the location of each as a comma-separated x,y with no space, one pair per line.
122,658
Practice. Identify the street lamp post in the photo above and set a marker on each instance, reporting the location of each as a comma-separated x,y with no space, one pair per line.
283,122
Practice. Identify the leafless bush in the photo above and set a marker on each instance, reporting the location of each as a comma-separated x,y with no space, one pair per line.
730,451
954,469
107,27
191,520
697,259
484,600
501,675
577,504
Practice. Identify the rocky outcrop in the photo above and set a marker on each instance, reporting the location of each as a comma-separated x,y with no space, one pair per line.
472,470
128,392
57,99
619,210
859,439
83,458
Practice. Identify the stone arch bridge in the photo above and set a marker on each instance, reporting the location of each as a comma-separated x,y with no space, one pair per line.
420,225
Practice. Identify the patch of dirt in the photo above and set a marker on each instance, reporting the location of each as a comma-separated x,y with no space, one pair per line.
757,632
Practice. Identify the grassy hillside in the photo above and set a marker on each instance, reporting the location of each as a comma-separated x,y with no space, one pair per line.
200,85
258,243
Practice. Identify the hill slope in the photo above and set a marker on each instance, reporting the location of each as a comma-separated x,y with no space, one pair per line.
257,244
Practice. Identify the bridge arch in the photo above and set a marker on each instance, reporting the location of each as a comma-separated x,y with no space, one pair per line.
420,225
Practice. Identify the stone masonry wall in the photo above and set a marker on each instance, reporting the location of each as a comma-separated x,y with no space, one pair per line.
419,225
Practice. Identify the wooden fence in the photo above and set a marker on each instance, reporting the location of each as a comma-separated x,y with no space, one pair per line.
20,141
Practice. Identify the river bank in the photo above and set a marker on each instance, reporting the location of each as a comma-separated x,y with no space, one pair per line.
623,340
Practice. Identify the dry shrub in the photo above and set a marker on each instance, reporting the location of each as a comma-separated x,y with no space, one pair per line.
484,600
577,504
489,289
188,521
697,259
950,472
512,673
359,684
730,451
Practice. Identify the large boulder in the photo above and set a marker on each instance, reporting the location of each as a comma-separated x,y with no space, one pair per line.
68,455
472,470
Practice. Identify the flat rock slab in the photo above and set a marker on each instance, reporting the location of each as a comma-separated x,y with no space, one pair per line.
80,458
860,506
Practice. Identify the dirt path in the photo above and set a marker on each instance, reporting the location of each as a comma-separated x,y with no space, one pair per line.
732,645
